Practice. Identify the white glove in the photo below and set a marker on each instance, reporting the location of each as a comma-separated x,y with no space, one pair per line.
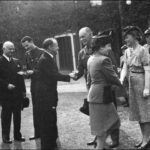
121,81
11,86
30,72
146,93
21,73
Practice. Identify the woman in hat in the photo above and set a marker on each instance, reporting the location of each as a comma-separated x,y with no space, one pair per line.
103,115
136,64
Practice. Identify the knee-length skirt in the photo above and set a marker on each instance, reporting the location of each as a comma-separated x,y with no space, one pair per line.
103,118
139,107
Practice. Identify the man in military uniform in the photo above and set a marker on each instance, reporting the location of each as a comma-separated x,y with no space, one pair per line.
85,35
32,54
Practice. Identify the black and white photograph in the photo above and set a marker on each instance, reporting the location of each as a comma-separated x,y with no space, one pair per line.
74,74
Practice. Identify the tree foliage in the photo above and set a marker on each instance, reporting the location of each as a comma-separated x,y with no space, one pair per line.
42,19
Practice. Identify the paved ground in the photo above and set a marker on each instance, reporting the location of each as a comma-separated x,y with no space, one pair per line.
74,129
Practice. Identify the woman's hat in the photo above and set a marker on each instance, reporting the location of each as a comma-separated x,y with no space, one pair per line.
107,32
100,41
134,31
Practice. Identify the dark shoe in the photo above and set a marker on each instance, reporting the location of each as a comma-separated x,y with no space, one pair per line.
114,145
34,138
7,141
138,145
144,147
93,143
22,139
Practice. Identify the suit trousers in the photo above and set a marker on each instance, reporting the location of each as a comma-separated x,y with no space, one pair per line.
115,133
48,128
35,115
9,108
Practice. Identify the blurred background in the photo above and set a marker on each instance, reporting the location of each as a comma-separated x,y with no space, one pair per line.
42,19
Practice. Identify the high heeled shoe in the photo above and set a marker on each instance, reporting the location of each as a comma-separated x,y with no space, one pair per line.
138,145
143,147
93,143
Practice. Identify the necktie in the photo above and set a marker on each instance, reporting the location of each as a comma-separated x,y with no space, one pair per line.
10,59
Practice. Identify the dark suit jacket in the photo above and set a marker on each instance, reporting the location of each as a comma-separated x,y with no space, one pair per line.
8,75
47,77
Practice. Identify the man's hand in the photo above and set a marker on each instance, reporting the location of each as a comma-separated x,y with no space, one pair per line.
21,73
121,81
146,93
72,75
11,86
30,72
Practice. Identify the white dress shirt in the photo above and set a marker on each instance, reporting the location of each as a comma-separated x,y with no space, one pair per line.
6,57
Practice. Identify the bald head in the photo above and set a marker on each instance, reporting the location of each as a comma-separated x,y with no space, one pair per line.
51,45
8,44
85,35
8,48
85,30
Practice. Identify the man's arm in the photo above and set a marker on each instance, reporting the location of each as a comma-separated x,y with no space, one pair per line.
50,70
88,81
80,68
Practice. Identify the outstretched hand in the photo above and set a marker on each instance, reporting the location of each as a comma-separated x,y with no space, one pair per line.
146,93
73,75
121,81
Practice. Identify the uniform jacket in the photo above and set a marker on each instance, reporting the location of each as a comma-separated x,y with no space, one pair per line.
32,58
83,57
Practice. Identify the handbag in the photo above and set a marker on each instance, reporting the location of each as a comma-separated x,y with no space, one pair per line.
85,108
26,102
107,95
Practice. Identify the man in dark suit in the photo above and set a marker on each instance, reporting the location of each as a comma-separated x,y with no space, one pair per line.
32,56
46,93
12,90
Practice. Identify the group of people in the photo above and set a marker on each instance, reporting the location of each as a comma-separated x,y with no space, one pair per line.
96,61
43,71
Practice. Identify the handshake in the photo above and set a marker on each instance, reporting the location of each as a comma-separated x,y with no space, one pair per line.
73,75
